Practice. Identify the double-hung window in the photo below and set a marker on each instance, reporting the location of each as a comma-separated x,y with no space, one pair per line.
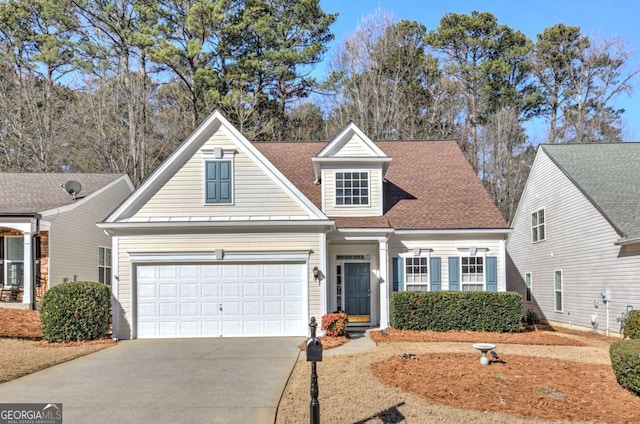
352,188
104,265
558,290
472,273
527,283
537,226
219,181
416,273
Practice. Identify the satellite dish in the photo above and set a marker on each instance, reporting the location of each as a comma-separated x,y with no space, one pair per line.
73,188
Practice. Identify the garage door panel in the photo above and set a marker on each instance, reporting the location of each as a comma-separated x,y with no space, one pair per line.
168,272
210,309
210,289
168,290
230,290
206,300
188,289
273,289
189,309
168,309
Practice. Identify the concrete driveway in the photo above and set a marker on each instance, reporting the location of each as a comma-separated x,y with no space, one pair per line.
234,380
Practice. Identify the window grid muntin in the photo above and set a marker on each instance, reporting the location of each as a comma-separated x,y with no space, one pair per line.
538,221
352,188
472,273
104,265
416,270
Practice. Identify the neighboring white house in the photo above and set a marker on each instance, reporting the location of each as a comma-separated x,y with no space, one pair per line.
230,238
576,235
48,231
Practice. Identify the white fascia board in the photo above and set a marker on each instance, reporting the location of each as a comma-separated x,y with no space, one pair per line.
268,168
470,231
344,136
82,201
168,168
173,227
360,234
229,256
155,181
348,161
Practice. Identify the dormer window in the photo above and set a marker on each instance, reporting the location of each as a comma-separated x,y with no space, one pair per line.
352,188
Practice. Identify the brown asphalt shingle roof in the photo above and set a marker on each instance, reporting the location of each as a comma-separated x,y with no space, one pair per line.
37,192
429,185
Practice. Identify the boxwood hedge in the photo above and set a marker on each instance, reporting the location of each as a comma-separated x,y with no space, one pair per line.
453,310
625,360
75,311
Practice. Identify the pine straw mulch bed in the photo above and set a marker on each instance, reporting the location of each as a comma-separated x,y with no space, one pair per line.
22,350
546,377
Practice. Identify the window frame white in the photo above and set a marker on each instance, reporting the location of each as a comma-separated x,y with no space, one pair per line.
104,265
8,262
424,254
528,281
336,188
467,253
557,291
535,229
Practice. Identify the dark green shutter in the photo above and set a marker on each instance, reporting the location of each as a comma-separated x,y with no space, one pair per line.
454,273
434,274
218,177
492,273
398,274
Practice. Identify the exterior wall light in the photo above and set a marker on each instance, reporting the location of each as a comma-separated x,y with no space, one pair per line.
316,273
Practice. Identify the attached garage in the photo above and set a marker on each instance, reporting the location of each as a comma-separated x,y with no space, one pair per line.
176,300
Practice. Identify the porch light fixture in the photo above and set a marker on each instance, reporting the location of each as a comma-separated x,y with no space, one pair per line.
316,273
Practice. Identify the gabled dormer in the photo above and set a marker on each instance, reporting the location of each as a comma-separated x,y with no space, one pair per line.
351,170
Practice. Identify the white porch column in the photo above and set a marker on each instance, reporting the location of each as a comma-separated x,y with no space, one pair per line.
384,283
28,294
324,297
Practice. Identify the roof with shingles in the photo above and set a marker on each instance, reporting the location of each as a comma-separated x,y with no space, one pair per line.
38,192
609,176
429,185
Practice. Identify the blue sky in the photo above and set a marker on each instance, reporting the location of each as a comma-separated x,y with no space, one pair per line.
596,18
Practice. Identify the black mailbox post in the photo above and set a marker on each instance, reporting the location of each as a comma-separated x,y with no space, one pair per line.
314,354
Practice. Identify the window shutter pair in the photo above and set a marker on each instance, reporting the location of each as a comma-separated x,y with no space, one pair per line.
398,274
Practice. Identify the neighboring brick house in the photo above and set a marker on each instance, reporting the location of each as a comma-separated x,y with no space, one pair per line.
48,234
232,238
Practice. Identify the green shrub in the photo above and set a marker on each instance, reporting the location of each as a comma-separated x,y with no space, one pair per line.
335,324
531,317
632,325
625,360
75,311
454,310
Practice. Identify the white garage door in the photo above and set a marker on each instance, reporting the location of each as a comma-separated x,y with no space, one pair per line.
204,300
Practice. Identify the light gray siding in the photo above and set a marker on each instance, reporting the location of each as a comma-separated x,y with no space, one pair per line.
580,242
74,237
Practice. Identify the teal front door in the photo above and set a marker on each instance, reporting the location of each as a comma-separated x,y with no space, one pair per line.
358,289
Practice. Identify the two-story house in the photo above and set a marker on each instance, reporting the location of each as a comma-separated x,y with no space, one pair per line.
574,253
230,238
